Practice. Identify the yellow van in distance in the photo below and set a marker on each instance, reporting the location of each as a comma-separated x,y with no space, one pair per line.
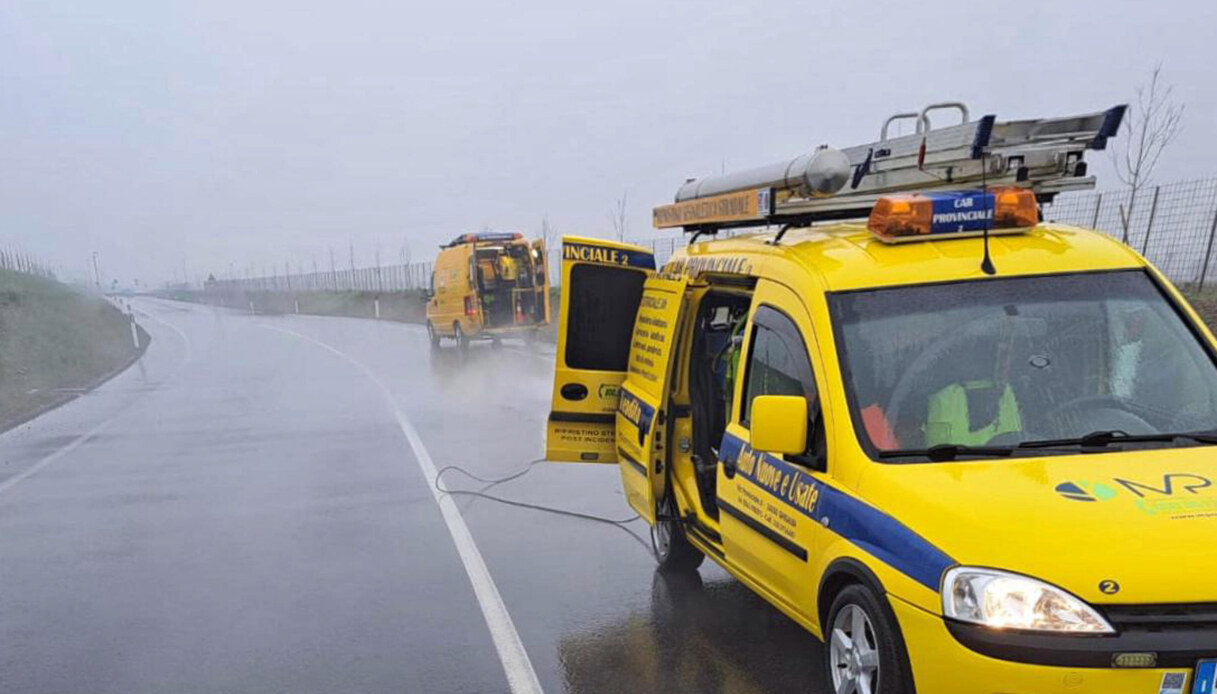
969,465
487,286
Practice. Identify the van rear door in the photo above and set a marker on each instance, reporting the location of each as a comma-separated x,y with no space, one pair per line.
540,264
643,421
601,290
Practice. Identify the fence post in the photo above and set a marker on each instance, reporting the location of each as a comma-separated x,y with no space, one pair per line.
1208,251
1098,202
1149,226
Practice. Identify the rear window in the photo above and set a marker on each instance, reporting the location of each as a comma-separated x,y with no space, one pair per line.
603,305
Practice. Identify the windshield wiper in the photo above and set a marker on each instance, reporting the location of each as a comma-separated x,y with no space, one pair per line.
948,451
1103,439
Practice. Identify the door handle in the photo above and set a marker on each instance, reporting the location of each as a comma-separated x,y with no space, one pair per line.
573,391
729,468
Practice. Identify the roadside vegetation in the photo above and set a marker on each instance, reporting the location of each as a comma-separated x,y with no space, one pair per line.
404,306
55,342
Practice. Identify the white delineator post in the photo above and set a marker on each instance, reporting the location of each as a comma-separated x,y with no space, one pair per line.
376,305
251,307
134,330
297,306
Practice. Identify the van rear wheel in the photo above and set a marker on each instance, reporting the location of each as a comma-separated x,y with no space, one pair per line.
672,549
459,335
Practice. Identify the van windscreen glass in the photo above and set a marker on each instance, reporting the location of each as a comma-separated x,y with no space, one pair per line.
603,305
1016,364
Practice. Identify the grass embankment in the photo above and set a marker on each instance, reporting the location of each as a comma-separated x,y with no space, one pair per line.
407,306
55,342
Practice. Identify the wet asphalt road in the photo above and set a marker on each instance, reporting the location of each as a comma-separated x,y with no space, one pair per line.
241,512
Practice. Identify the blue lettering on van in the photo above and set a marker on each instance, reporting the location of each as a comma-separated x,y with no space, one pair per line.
884,537
636,412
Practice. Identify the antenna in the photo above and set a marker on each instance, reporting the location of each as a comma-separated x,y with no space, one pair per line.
986,264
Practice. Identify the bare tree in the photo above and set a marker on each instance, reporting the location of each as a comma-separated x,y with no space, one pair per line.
1150,125
617,217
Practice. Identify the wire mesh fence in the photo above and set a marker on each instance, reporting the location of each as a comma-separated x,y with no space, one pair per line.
1171,224
385,278
20,261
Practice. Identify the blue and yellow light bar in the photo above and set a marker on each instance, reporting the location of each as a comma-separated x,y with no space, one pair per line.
948,215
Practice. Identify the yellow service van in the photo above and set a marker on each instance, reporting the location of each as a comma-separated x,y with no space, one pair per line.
969,450
487,286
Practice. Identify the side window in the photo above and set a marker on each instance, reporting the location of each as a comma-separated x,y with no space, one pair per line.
772,368
778,364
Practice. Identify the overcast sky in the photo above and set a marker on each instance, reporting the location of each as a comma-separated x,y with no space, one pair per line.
221,135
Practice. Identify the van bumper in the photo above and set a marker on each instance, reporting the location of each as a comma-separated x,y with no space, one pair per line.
941,663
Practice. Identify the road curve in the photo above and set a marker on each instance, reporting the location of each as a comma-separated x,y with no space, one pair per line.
246,510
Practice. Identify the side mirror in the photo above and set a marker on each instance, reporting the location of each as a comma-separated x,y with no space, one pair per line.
425,297
779,424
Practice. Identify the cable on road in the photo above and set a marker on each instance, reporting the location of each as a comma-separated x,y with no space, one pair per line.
623,524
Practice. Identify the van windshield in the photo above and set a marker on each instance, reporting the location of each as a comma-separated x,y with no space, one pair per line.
1012,363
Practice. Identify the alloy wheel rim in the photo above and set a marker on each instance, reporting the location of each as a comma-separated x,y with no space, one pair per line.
853,653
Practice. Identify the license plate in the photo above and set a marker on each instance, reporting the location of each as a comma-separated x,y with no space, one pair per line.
1205,681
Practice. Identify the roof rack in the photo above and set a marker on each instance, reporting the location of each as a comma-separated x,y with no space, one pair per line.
1043,154
484,237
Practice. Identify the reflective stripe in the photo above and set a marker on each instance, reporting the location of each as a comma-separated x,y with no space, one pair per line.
879,534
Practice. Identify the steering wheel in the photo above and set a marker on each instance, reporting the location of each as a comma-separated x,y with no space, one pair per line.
1104,412
931,356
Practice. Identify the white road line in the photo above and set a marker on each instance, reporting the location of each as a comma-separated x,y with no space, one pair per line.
174,328
520,674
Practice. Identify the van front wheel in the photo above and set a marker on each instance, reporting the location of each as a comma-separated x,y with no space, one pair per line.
672,550
432,336
863,647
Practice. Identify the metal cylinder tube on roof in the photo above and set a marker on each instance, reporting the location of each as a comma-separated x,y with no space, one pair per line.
816,174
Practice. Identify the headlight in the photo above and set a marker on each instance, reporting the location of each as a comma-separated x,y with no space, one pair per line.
1008,601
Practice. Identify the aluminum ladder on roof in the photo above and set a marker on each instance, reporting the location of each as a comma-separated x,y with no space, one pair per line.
1044,154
